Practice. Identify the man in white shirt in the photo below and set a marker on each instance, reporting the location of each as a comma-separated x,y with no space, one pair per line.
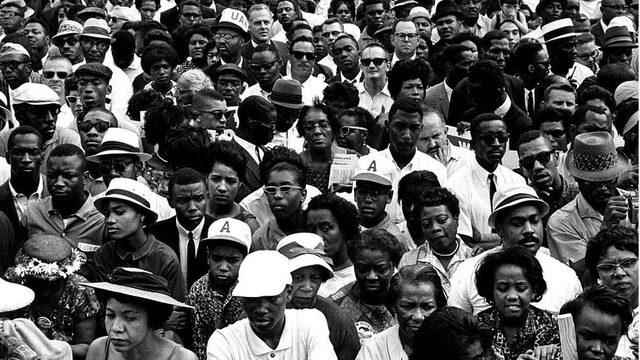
54,71
374,95
560,40
331,29
270,330
476,185
264,66
404,126
404,38
433,141
302,58
517,219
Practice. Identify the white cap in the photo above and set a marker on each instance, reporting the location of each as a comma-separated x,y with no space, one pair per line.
374,169
35,94
623,21
417,12
233,19
263,273
625,91
125,13
303,250
229,229
15,296
13,49
119,141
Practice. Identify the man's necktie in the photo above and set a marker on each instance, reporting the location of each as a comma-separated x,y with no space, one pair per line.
492,188
191,259
531,108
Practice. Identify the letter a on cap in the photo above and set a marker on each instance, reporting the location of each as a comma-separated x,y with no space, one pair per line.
372,166
225,227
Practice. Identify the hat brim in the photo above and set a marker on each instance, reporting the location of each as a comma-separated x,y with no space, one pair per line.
596,176
253,290
306,260
540,204
136,293
96,157
626,45
64,33
231,26
287,105
372,177
15,296
101,200
221,239
560,37
96,36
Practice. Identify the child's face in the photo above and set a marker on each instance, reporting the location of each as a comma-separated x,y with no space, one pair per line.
224,262
288,196
512,293
372,200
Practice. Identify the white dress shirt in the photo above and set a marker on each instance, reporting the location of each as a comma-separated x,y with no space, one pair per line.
376,104
183,243
385,345
328,62
255,151
305,336
578,73
312,89
254,89
562,284
22,201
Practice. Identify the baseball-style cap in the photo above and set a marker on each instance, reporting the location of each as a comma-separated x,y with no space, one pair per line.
233,19
35,94
418,12
374,169
231,69
263,273
229,230
303,250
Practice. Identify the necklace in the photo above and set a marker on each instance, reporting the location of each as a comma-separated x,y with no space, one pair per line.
449,254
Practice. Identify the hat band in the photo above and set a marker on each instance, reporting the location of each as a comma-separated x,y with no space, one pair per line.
117,145
514,198
595,162
139,280
294,249
553,34
94,30
129,194
286,98
618,39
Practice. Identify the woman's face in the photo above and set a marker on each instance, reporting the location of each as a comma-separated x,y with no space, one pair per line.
618,270
373,269
317,130
197,42
422,51
323,223
122,219
223,183
416,302
127,325
512,292
512,32
344,14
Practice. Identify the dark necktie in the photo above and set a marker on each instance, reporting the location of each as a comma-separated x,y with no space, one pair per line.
191,258
492,188
530,105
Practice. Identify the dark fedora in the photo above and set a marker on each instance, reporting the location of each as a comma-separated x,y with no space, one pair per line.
287,93
594,157
446,8
618,37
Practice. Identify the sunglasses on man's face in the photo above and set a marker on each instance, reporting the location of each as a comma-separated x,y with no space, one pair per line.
301,54
543,158
375,61
71,40
87,125
50,74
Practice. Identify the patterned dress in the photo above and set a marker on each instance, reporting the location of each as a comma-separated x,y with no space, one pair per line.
213,310
539,329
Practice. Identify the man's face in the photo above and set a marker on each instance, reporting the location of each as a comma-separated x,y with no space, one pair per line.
573,9
374,14
350,136
93,91
92,129
611,9
330,32
470,9
540,65
448,26
305,286
618,55
555,132
229,43
598,193
65,178
285,204
597,334
371,200
404,130
16,69
563,53
25,156
345,54
211,113
405,38
94,49
423,25
266,68
302,58
11,19
190,202
230,86
54,73
41,117
323,223
266,314
190,15
147,10
412,89
594,121
491,142
285,12
262,130
115,166
260,25
512,32
433,137
538,162
499,52
160,72
563,100
374,62
37,36
70,48
224,263
521,226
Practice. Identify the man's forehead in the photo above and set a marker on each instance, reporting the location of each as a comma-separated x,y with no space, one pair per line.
405,25
34,25
492,125
499,43
302,45
535,146
374,51
521,211
188,189
58,64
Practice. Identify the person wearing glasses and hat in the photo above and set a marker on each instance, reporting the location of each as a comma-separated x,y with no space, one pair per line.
68,42
137,303
15,64
594,163
230,33
270,329
618,46
560,39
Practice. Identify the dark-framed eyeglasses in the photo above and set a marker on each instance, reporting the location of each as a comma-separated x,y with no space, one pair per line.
266,66
119,165
283,189
87,125
50,74
542,157
375,61
216,114
310,56
61,41
492,138
347,130
610,267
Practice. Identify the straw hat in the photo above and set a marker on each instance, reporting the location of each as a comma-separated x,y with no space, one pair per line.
593,157
119,141
130,191
15,296
516,196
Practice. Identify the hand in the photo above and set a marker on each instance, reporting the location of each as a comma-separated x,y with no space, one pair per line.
463,126
527,356
546,352
615,211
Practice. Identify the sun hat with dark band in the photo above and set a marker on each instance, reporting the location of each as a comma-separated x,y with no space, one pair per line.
303,250
516,196
139,284
558,30
287,93
96,28
119,141
130,191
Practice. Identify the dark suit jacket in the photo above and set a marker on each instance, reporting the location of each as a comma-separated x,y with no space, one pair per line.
8,207
520,98
252,172
598,33
167,232
247,52
436,98
170,17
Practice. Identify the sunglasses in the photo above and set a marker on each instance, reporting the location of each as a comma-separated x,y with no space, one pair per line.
118,165
218,115
71,40
72,99
266,66
300,54
530,161
375,61
346,130
50,74
491,138
87,125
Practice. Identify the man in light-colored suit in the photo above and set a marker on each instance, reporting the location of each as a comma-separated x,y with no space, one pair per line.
457,61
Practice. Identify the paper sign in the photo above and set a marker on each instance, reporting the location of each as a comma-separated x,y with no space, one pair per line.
567,337
342,169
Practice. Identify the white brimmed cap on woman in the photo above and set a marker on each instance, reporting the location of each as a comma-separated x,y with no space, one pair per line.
119,141
14,296
129,191
304,250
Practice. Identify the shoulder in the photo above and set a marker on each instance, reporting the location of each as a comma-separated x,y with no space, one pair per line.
559,215
181,353
97,348
341,294
558,270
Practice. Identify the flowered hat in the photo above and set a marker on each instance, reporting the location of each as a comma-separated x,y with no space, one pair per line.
45,257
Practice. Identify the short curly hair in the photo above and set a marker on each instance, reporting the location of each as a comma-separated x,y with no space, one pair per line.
518,256
620,237
342,210
416,274
227,153
380,240
157,52
281,158
603,299
405,70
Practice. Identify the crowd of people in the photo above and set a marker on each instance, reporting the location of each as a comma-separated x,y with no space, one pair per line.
319,179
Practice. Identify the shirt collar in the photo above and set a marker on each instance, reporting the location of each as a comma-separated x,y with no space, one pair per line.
197,231
503,109
358,78
604,26
259,348
138,254
585,210
384,91
82,213
38,191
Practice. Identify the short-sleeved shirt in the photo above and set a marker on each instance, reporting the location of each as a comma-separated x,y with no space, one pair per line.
305,336
385,345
